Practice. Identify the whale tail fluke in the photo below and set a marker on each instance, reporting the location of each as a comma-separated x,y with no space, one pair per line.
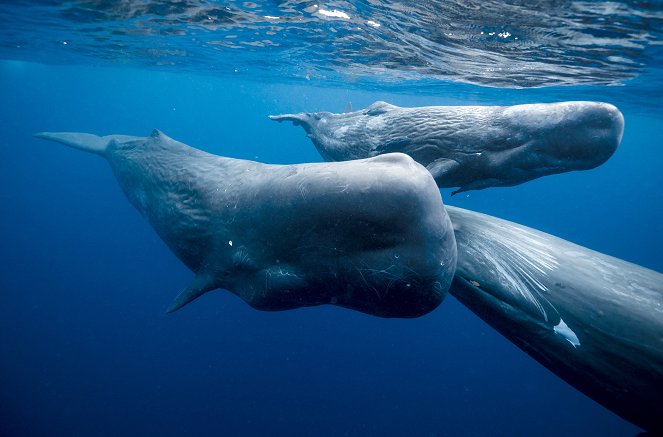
301,119
201,284
87,142
295,118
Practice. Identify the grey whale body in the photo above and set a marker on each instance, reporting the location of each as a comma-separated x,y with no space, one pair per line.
373,235
368,235
594,320
473,147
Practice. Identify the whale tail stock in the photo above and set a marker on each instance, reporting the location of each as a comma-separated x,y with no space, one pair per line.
78,140
87,142
301,119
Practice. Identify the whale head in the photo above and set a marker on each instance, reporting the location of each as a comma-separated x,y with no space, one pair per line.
574,135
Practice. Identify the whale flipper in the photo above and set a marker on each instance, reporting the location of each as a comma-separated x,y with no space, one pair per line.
201,284
442,167
82,141
479,185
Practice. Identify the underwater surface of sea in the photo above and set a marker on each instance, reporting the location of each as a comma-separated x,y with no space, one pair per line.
86,347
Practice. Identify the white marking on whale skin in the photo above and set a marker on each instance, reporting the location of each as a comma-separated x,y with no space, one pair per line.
375,123
563,329
341,131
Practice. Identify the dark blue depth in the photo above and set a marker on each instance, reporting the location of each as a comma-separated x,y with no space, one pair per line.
86,347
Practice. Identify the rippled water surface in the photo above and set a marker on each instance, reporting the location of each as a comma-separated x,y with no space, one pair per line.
512,43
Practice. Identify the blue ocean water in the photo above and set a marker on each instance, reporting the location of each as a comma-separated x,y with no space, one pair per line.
85,344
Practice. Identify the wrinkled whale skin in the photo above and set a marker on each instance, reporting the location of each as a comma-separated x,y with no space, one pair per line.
594,320
369,235
473,147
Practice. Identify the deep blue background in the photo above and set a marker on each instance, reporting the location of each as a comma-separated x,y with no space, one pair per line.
87,349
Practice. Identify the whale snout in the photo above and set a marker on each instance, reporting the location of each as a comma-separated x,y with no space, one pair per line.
593,134
573,135
604,120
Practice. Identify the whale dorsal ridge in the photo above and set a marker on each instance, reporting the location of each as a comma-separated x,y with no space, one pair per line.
156,133
379,107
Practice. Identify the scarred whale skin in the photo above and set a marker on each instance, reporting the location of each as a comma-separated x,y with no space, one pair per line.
368,235
594,320
473,147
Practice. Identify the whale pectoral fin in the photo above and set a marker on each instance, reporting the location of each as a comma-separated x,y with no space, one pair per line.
478,185
200,285
441,169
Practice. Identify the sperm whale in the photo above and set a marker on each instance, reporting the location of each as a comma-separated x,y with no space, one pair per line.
473,147
594,320
369,235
